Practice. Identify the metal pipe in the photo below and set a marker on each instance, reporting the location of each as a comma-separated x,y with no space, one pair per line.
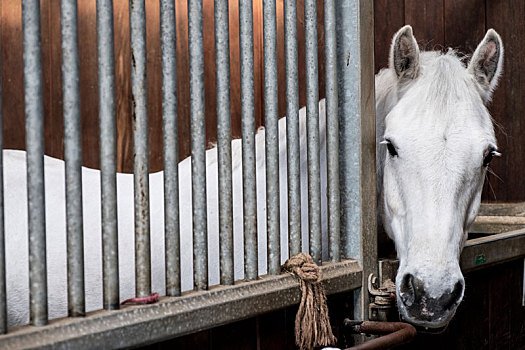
171,147
224,136
271,107
248,139
332,132
292,128
198,145
73,158
393,333
139,116
35,162
3,286
312,128
108,153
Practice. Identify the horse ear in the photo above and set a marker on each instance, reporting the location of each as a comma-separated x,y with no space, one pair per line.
487,63
404,54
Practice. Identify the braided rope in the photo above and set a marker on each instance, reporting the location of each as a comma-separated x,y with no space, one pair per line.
312,324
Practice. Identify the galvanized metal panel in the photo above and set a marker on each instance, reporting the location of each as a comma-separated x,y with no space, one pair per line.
108,154
224,138
292,128
171,147
198,145
139,118
271,108
35,161
249,191
73,158
357,172
171,317
312,128
332,132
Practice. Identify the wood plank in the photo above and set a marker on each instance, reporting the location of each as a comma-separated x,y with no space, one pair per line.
464,24
52,78
389,17
507,19
12,75
238,335
272,330
88,75
426,18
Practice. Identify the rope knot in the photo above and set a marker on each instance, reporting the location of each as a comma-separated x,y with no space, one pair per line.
312,324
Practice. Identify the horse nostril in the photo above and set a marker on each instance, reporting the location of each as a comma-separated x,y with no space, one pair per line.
407,290
454,296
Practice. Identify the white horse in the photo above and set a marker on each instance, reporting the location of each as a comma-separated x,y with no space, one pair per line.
16,224
435,141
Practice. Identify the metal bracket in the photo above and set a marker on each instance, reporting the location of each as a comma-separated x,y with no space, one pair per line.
382,299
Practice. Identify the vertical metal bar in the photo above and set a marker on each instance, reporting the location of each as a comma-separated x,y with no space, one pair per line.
292,128
332,132
3,286
108,153
248,139
35,162
198,145
224,133
171,148
312,128
355,57
139,116
271,107
73,158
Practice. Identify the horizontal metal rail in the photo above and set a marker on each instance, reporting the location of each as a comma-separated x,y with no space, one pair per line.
172,317
495,249
478,253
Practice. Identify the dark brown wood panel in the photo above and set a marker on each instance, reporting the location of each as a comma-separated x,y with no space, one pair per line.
507,106
426,18
87,18
389,17
12,75
464,24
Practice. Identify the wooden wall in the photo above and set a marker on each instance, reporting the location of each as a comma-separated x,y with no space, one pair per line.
437,24
12,75
461,24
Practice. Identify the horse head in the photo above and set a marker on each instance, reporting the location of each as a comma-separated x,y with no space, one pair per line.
435,142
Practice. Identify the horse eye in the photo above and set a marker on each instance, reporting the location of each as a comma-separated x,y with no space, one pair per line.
491,153
391,148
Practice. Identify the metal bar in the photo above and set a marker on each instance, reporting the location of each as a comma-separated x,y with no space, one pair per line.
249,191
139,116
292,128
3,285
332,132
271,107
355,58
73,158
312,128
224,138
494,249
35,162
171,147
138,325
108,153
198,145
393,333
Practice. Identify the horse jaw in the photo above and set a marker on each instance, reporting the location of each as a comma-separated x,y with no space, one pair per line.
429,189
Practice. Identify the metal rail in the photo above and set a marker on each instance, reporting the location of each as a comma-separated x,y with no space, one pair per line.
172,317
